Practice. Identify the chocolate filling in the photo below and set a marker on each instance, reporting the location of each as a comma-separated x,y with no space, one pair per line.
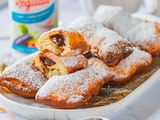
58,39
88,55
46,61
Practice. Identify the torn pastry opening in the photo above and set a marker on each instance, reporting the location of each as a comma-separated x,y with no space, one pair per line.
50,64
46,61
88,55
58,39
51,67
59,42
63,42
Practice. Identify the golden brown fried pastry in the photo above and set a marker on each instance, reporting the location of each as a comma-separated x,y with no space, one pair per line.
140,32
137,61
22,78
73,90
50,64
63,42
105,44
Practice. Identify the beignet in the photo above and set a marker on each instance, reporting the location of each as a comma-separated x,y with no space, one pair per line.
105,44
22,78
63,42
137,61
50,64
73,90
141,33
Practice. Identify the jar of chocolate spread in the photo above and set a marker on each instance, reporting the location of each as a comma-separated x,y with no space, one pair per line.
29,19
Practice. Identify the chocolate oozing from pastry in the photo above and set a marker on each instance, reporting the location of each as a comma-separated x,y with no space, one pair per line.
88,55
58,39
112,59
46,61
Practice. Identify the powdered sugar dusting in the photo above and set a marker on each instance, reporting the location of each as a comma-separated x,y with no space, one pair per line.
140,32
70,61
148,17
121,21
127,67
72,87
138,58
102,41
74,60
24,71
96,34
75,98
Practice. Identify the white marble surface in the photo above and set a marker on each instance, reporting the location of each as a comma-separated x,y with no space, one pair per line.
145,107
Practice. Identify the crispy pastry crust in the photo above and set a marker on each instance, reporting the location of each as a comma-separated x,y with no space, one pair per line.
105,44
142,33
72,42
73,90
61,66
137,61
22,78
18,87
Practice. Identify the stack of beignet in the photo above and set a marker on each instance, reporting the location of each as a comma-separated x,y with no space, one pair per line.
75,89
70,83
52,61
61,76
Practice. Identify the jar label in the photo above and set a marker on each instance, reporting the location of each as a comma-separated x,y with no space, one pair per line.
33,17
29,19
